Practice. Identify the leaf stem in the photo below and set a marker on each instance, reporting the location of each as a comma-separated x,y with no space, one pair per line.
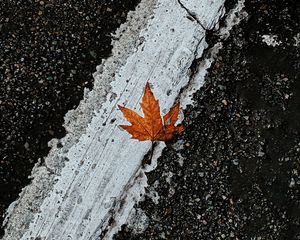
152,150
148,158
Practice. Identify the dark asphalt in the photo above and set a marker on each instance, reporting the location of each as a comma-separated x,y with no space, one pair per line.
48,52
240,177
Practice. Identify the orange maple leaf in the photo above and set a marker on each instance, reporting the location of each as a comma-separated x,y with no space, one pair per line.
151,126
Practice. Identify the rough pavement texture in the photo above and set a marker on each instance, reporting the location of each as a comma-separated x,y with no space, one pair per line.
235,173
48,51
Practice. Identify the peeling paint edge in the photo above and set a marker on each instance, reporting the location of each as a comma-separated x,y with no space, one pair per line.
76,121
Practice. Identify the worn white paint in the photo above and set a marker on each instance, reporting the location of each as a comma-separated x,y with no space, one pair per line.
297,40
233,18
204,11
81,186
271,40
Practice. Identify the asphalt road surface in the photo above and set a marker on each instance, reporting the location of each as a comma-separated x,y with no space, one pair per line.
233,174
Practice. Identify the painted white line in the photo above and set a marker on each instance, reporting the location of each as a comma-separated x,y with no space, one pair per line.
77,191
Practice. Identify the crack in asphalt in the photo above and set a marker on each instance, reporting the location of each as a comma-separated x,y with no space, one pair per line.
192,15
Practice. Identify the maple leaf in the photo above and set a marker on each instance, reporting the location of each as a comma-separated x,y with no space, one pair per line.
151,127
